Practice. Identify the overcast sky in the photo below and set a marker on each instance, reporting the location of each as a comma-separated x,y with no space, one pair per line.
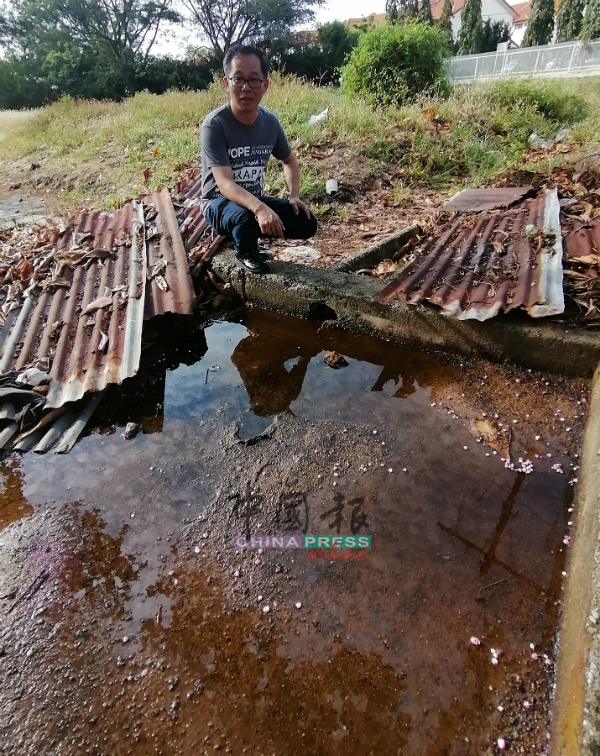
176,42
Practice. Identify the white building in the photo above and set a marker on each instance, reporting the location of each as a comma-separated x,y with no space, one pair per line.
516,16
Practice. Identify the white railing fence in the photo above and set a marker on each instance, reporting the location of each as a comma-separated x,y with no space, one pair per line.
565,59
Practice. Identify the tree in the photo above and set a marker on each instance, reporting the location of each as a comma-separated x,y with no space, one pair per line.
392,11
319,59
229,22
590,28
569,20
469,36
396,63
425,15
492,34
402,11
127,28
541,23
445,22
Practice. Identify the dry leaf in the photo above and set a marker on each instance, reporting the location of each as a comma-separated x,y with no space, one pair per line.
385,268
586,259
97,304
492,435
161,283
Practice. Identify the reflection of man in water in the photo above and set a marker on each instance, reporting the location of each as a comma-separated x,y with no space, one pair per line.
274,341
261,363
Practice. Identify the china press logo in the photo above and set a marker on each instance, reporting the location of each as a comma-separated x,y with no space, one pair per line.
318,546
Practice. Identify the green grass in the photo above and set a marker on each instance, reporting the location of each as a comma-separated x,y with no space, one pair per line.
99,150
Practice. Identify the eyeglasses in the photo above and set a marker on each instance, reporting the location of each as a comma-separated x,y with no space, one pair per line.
238,82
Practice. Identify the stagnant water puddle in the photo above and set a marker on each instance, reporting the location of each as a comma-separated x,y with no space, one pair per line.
131,623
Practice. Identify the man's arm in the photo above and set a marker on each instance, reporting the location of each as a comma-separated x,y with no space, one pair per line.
291,170
269,222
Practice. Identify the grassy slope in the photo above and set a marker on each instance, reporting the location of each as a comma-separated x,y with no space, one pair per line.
98,151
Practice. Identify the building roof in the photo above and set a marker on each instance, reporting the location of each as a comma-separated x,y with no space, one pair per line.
376,20
438,6
522,11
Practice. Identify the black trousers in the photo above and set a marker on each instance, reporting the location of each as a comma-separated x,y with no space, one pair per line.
229,218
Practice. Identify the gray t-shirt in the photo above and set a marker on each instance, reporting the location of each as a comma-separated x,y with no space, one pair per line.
246,149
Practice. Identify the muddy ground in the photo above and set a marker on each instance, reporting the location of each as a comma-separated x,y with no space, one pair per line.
130,623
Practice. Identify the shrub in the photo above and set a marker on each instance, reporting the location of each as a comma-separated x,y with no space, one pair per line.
551,99
393,65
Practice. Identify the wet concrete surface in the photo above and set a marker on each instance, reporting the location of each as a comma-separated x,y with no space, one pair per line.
130,623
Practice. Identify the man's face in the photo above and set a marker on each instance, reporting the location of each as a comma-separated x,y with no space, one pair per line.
245,97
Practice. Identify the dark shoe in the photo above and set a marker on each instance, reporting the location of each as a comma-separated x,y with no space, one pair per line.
264,254
252,261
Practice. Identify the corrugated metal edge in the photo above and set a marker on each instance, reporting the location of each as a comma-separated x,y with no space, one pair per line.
134,323
180,297
79,421
551,263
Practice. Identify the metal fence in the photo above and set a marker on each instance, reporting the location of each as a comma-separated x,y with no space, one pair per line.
566,59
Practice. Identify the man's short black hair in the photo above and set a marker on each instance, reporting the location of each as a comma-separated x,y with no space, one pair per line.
235,51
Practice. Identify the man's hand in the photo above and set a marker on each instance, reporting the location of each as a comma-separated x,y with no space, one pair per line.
298,205
269,222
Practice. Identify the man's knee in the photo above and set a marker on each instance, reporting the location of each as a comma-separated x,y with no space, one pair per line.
306,228
311,224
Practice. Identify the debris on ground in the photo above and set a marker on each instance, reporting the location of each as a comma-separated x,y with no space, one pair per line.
492,434
314,119
335,360
74,297
537,141
131,431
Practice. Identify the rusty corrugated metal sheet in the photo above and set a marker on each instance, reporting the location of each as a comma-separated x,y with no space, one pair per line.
51,327
168,246
192,225
476,200
483,264
583,241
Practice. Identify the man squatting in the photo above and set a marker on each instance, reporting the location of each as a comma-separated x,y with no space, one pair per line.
237,141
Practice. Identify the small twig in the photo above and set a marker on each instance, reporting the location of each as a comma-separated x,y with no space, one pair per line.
206,376
491,585
34,586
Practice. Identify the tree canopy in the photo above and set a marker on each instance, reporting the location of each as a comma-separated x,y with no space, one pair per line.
492,33
569,19
126,28
541,23
445,23
229,22
590,27
469,36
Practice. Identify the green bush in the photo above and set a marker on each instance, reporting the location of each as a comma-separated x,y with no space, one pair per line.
550,99
393,65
